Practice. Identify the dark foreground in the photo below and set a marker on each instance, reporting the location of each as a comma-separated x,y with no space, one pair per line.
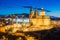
52,34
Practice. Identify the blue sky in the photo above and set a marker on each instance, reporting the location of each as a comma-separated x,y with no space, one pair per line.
15,6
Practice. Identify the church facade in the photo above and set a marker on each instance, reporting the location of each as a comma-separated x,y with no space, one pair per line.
39,19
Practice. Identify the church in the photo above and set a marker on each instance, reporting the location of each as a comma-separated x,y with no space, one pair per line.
39,19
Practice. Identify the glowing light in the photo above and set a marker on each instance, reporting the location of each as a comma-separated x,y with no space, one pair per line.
42,8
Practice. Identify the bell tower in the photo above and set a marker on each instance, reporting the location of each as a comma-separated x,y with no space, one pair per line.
31,15
42,12
36,13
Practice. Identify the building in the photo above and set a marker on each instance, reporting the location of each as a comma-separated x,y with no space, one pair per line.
39,20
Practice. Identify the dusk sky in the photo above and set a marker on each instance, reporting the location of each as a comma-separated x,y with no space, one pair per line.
15,6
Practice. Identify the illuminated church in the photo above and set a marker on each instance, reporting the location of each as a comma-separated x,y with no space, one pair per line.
39,19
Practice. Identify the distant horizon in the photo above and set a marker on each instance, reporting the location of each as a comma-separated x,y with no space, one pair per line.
25,13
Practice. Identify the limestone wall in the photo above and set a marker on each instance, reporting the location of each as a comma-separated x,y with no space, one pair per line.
46,22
